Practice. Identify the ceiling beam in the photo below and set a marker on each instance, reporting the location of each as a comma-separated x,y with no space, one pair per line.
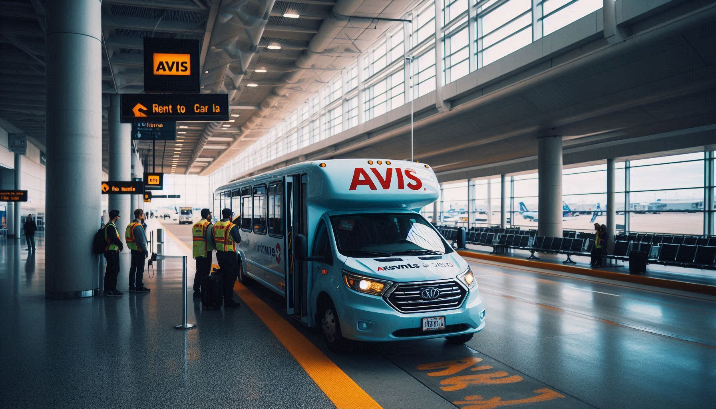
159,4
110,21
290,29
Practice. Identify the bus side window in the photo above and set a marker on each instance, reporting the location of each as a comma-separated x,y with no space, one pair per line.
275,196
259,222
235,203
246,209
321,245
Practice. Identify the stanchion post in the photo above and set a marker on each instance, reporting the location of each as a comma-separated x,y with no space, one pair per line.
184,325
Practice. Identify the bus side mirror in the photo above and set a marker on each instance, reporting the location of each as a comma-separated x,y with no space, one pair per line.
301,247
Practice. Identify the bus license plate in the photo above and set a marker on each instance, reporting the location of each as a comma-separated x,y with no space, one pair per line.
433,323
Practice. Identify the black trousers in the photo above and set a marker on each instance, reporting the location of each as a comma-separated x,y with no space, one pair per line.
112,271
30,239
229,265
203,267
136,270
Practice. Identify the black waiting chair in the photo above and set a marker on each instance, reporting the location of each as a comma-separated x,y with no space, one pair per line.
686,254
705,257
691,240
678,240
702,241
667,239
556,244
668,253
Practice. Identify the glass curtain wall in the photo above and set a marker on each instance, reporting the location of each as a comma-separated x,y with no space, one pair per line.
471,35
667,194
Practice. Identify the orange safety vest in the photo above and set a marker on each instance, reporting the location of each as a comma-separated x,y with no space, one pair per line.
200,245
129,236
222,236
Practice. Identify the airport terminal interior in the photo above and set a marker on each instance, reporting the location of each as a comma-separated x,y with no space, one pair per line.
465,204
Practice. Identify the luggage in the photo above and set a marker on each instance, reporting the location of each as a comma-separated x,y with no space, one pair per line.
212,291
637,262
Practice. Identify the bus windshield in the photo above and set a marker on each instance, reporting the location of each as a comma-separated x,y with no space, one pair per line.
185,212
385,234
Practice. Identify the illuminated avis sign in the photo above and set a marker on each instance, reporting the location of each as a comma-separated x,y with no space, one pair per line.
147,197
122,188
174,107
171,65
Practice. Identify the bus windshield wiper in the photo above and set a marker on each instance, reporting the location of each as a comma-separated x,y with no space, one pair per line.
374,253
421,251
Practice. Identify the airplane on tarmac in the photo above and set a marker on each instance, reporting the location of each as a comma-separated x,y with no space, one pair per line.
597,212
533,216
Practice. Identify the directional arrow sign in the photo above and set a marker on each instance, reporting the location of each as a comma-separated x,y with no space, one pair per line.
174,107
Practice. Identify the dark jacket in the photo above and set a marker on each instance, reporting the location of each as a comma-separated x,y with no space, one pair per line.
30,227
113,239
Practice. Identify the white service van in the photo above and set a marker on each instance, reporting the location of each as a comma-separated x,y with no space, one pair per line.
343,242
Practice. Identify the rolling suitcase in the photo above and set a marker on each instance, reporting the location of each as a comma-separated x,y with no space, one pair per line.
212,292
637,262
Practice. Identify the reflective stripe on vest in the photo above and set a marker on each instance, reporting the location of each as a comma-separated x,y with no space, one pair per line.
200,246
110,246
598,242
222,236
129,236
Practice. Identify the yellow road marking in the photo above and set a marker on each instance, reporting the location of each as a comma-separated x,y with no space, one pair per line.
336,384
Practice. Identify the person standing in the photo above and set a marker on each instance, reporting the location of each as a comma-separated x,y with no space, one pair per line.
111,254
227,238
597,249
202,234
137,242
604,242
30,228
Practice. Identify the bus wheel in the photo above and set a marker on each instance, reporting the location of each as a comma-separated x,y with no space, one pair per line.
331,327
459,339
241,276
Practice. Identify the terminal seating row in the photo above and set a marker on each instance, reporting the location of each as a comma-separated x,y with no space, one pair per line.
667,239
681,255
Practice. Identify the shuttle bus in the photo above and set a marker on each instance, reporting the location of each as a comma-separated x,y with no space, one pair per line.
343,242
186,215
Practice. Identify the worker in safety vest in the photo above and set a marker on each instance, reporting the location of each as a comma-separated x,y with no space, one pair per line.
203,244
111,254
227,239
136,239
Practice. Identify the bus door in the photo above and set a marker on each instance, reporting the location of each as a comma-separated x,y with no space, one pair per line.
295,223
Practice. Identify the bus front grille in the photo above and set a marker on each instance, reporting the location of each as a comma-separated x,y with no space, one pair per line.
426,296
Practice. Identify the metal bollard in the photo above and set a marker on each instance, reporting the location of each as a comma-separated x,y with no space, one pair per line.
185,325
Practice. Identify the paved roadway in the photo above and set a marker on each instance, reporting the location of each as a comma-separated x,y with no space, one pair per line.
552,340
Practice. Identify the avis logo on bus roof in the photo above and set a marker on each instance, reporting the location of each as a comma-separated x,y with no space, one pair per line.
405,178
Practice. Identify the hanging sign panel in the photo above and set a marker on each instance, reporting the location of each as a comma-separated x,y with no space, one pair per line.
147,197
174,107
17,143
13,195
154,131
153,181
171,65
122,188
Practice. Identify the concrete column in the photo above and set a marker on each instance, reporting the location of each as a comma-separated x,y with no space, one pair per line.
435,212
611,204
18,186
74,145
120,162
442,205
504,196
549,169
489,202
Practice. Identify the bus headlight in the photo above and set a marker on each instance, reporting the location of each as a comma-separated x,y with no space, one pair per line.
365,285
468,278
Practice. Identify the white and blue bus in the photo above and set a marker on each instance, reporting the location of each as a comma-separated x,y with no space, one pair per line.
343,242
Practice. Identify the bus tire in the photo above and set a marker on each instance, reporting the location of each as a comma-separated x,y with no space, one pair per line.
331,327
243,279
459,339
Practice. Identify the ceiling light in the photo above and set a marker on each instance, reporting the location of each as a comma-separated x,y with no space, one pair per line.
226,125
274,47
232,120
291,15
252,85
180,144
206,72
235,115
183,126
181,132
260,70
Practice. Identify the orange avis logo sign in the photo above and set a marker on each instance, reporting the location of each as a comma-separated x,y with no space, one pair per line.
172,64
153,180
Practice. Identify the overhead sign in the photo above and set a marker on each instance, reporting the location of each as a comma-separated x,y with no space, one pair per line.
147,197
13,195
122,188
153,181
154,131
171,65
174,107
17,143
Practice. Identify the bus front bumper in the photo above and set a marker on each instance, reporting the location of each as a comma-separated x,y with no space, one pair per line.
370,318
